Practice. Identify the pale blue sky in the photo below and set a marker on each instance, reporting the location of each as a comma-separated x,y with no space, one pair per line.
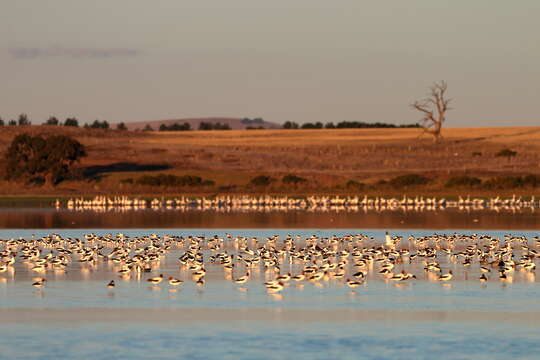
299,60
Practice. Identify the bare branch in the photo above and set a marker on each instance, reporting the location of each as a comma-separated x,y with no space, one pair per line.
435,102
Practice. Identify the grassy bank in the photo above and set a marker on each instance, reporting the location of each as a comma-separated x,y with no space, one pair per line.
331,162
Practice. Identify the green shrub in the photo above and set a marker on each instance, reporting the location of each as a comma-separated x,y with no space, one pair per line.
463,181
408,180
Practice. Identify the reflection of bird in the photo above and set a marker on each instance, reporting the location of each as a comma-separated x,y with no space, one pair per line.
353,284
274,288
39,284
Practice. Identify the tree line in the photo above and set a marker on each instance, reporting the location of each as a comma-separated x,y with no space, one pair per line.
186,126
23,120
344,125
252,124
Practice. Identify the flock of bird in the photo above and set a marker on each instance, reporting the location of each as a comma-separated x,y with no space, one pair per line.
310,203
275,262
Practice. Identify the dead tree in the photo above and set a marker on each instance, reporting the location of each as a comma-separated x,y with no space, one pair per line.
434,108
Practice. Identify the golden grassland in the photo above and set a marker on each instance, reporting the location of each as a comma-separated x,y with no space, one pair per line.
327,158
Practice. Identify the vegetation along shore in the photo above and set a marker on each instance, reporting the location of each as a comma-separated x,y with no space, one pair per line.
297,162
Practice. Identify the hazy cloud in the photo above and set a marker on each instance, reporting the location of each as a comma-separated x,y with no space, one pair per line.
33,53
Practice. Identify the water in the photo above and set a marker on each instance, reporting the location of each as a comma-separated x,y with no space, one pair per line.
47,218
76,317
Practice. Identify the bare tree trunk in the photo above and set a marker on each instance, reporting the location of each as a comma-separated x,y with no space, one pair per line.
434,103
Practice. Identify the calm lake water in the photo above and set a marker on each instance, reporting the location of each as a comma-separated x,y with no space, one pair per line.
76,317
47,218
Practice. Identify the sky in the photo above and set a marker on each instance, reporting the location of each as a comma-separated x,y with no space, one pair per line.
282,60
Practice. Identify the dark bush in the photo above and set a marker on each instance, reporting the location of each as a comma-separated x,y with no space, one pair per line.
53,121
531,180
512,182
214,126
175,127
43,160
353,184
173,180
121,126
408,180
23,120
317,125
293,179
99,124
476,154
127,181
71,122
290,125
261,180
463,181
506,153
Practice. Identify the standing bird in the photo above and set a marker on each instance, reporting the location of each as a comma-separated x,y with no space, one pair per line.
156,280
111,284
446,277
174,281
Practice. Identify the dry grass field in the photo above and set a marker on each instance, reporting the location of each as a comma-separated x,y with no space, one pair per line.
328,159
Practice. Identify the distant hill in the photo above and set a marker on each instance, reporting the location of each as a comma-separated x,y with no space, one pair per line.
234,123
